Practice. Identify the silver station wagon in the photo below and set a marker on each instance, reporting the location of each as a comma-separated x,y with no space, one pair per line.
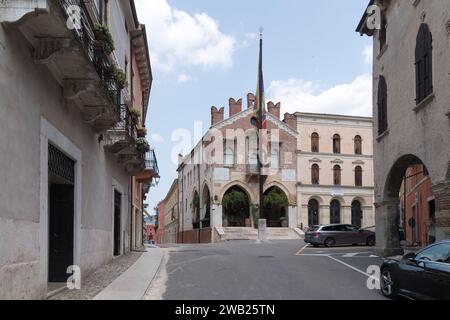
339,234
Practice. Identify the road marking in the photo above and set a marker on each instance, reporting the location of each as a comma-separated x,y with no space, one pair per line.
353,268
299,253
350,255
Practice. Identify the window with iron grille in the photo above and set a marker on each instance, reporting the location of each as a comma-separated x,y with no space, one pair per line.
424,63
382,106
60,165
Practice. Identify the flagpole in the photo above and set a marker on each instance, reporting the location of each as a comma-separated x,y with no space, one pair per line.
260,127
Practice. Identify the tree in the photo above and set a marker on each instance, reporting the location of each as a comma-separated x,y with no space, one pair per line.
233,200
275,200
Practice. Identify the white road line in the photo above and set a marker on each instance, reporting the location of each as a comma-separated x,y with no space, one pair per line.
353,268
301,250
350,255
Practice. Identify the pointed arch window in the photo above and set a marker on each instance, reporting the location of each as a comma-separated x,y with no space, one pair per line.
315,142
358,145
424,63
337,175
315,174
336,144
382,106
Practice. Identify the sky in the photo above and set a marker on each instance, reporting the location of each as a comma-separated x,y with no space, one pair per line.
203,52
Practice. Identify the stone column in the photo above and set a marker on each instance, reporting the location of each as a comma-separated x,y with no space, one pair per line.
442,195
387,219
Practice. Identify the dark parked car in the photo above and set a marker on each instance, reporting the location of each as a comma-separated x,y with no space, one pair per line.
336,234
421,275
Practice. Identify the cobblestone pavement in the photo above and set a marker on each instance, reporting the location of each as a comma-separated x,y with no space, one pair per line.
100,279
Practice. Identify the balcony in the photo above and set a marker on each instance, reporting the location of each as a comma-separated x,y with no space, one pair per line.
121,138
151,169
65,43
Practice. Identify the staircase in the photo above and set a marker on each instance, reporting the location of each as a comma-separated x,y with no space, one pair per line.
282,234
229,234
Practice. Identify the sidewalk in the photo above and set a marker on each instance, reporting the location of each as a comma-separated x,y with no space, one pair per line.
133,283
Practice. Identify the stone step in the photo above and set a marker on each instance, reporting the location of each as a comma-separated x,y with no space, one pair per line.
240,233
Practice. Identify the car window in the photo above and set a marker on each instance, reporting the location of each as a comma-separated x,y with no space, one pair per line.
314,228
437,253
351,228
327,229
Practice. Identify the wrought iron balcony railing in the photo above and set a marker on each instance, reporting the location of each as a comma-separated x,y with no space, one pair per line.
151,162
83,30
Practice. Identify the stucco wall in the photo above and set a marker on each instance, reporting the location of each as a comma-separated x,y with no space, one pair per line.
28,93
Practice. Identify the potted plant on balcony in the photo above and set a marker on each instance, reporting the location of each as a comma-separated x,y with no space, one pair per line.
120,78
141,132
142,145
104,37
135,114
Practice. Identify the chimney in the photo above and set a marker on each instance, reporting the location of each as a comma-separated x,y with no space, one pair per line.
250,100
290,120
235,107
274,109
217,115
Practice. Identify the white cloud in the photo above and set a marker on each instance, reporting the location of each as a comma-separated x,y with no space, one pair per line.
297,95
368,54
177,37
183,78
156,139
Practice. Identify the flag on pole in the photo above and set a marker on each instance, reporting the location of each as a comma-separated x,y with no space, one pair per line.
259,117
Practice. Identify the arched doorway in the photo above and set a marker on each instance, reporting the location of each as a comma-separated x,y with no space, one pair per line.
357,213
276,205
206,198
313,212
335,212
196,211
236,208
408,207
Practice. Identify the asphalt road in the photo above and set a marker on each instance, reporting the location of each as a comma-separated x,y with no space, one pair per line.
279,270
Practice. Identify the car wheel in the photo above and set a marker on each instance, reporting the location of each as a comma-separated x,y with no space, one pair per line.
330,242
388,288
370,241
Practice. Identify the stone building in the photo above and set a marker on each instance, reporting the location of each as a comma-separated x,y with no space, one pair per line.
335,169
68,139
171,216
218,181
411,98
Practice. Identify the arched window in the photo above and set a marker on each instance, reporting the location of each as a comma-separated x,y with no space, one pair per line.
274,159
315,175
337,175
315,142
382,106
424,63
336,143
358,176
229,157
358,145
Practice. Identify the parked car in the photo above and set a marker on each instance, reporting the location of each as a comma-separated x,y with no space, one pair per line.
421,275
337,234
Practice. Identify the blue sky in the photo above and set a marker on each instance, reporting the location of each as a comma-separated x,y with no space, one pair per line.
203,52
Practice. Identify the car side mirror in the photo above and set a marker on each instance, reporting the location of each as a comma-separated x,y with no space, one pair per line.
410,256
